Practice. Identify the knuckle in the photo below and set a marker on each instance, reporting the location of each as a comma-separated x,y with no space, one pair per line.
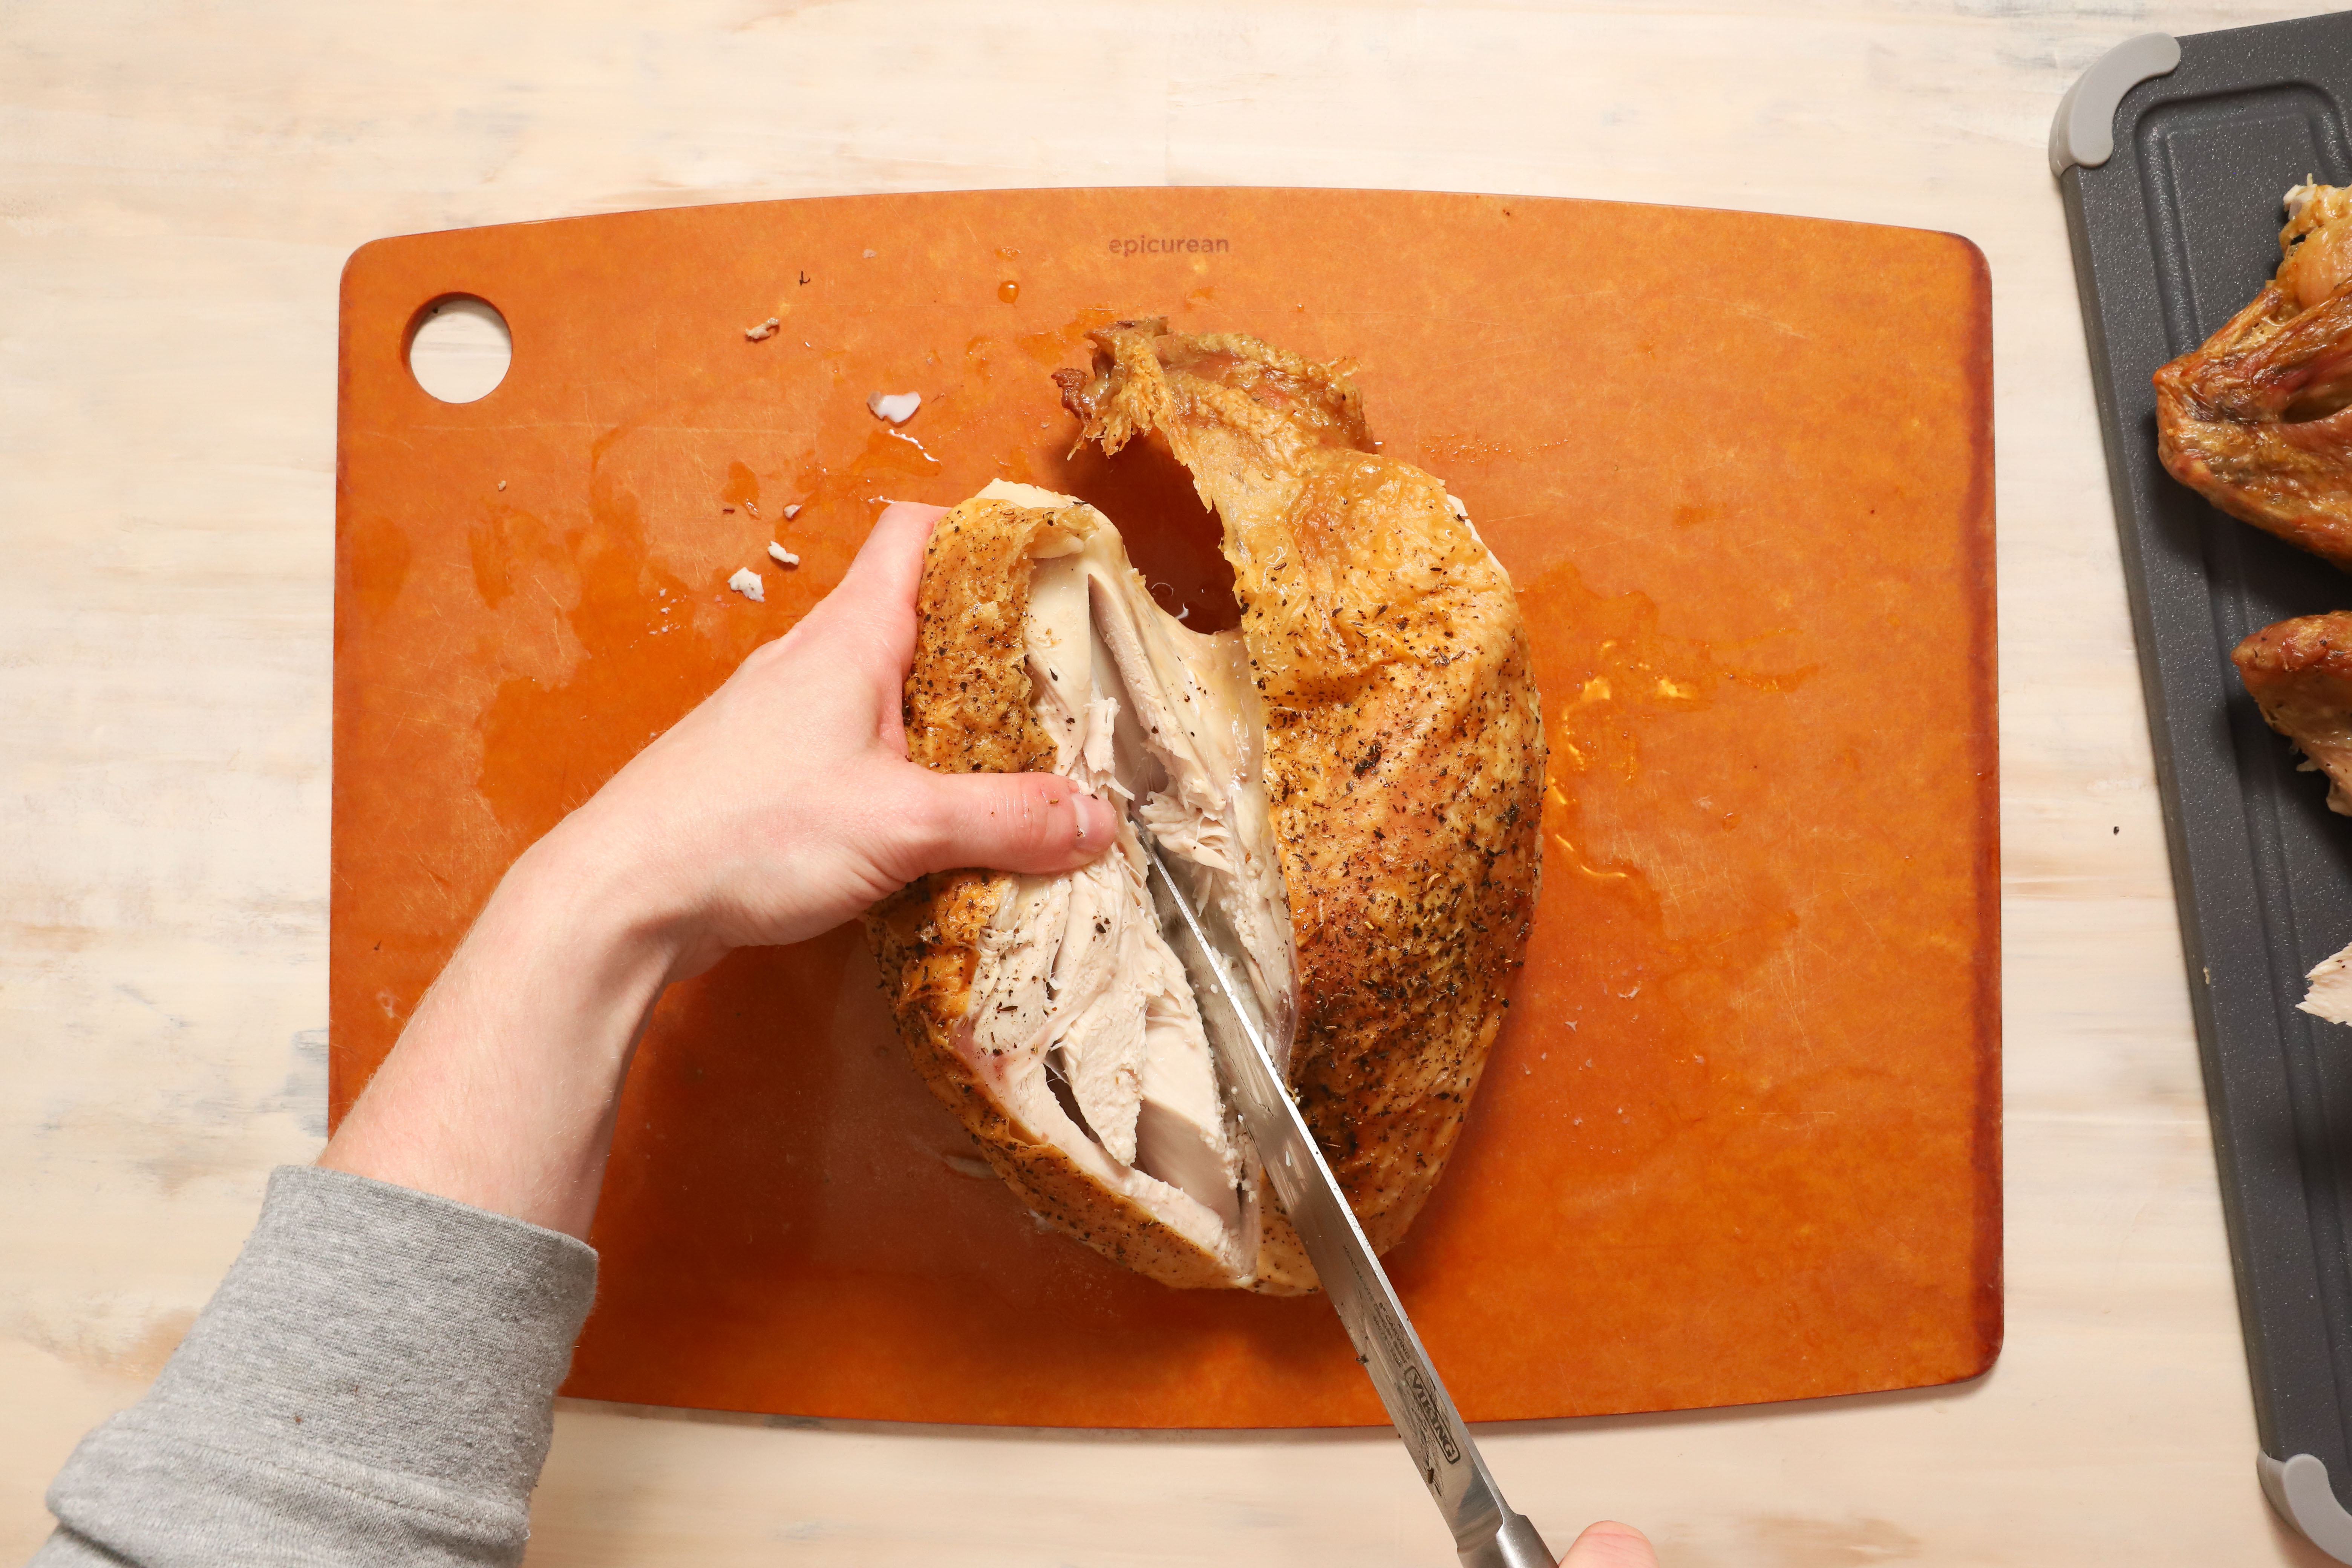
934,823
1042,810
908,825
1023,822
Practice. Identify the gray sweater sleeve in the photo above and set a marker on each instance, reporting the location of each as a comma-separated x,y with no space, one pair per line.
373,1383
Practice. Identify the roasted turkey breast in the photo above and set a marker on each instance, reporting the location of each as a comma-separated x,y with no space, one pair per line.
2255,420
1351,779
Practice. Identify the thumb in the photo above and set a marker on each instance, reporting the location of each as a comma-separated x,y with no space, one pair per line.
1038,822
1609,1544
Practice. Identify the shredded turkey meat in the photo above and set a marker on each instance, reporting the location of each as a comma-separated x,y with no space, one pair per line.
1083,1017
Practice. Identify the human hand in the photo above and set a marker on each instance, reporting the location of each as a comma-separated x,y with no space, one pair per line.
1609,1544
781,807
784,803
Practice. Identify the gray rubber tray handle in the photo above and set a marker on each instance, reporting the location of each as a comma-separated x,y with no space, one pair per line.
2084,129
2298,1488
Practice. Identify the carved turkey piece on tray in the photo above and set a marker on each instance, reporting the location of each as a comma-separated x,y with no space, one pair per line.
2300,673
2258,420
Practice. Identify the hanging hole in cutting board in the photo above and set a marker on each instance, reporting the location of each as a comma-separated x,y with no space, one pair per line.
459,348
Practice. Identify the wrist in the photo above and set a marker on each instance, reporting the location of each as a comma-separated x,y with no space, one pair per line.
502,1089
609,877
584,920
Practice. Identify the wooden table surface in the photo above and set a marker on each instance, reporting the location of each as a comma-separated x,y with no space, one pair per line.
179,186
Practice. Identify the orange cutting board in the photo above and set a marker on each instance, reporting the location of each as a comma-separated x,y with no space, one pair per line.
1741,1139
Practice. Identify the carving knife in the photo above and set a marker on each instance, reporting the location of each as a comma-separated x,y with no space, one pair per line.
1487,1534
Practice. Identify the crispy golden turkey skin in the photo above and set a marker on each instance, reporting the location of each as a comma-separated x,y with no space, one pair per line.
1379,797
2299,672
2258,420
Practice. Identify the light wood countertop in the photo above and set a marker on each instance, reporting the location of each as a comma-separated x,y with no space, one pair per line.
179,187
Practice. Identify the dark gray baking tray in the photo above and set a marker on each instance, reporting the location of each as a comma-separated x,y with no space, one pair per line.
2172,158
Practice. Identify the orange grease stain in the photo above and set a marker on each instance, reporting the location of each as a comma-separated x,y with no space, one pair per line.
841,500
1608,667
545,749
504,538
373,556
1642,1011
742,486
1451,451
1008,290
1067,344
980,356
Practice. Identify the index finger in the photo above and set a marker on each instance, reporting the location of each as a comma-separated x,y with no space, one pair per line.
890,565
873,603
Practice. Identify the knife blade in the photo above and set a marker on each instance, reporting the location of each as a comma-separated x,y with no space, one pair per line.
1486,1532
